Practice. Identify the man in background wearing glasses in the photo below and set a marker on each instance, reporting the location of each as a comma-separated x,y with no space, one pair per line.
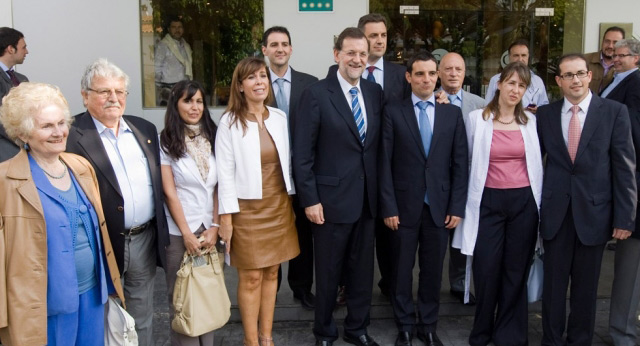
588,196
625,293
124,152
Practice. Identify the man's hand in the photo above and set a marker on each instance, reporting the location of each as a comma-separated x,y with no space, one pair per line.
451,221
621,234
441,97
315,214
392,222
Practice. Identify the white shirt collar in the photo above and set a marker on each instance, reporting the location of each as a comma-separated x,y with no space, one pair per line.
287,75
584,104
346,86
379,64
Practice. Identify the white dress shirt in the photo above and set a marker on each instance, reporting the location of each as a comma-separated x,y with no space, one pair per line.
132,172
346,86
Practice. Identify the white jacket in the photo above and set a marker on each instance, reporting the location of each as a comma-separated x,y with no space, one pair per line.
238,159
195,194
479,136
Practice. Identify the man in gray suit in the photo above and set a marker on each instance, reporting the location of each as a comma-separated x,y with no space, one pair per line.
452,72
13,50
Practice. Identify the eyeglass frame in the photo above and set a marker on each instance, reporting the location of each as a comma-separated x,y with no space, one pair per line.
569,76
106,93
613,56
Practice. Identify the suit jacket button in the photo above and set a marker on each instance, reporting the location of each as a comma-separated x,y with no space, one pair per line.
362,177
120,208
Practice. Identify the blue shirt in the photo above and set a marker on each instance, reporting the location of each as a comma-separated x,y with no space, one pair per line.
430,109
536,93
617,78
132,171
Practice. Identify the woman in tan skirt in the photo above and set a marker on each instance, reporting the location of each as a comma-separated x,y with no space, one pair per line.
254,183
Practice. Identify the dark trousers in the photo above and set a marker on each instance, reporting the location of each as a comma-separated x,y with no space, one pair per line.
348,247
300,275
567,259
383,254
457,267
430,241
507,233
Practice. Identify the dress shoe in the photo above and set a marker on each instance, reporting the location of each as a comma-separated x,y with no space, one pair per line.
460,296
341,300
324,343
403,339
362,340
306,298
430,339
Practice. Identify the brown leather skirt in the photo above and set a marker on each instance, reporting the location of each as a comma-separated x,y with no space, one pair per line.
264,231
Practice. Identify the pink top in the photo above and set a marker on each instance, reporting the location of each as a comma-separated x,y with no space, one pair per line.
507,161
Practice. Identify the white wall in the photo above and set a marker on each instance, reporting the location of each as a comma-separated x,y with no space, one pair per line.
312,32
601,11
64,36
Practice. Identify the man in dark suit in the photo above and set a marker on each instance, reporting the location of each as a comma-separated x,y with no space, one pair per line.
423,192
335,166
13,50
625,292
287,85
124,152
588,196
391,78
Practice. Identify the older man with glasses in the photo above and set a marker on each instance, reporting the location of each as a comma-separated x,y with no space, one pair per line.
124,152
625,292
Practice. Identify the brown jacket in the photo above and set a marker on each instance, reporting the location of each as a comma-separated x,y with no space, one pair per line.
598,80
23,248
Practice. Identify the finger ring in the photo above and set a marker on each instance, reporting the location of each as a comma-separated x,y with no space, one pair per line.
222,242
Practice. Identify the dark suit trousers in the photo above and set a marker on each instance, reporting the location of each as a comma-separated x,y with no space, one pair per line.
507,233
430,241
300,275
348,247
383,254
566,258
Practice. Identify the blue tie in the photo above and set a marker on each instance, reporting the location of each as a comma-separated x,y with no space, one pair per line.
357,113
281,99
425,131
452,99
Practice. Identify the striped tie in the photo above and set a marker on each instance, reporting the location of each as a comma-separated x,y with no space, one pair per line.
357,113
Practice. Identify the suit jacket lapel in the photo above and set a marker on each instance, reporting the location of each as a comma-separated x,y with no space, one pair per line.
372,122
437,123
296,91
342,106
89,139
555,126
409,116
591,123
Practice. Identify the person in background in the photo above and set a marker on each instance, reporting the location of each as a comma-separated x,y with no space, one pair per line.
57,266
189,180
501,217
172,59
254,183
601,63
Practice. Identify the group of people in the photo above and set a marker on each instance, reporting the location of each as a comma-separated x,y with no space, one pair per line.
319,173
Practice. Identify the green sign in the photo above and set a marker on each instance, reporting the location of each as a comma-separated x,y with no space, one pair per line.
315,5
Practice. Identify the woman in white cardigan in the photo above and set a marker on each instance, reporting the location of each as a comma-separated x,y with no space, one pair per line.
501,216
188,179
254,179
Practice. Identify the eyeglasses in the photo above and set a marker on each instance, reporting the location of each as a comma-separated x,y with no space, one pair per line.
569,75
613,56
105,93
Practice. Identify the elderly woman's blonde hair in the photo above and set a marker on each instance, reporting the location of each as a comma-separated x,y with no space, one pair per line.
26,100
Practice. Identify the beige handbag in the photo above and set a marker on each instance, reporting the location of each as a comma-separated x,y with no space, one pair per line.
200,297
120,327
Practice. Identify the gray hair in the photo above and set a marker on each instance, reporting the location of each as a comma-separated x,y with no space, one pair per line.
102,68
632,44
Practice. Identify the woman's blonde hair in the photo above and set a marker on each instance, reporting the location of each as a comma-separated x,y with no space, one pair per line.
523,72
26,100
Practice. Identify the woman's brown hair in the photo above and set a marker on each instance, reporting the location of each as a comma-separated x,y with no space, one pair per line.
523,72
238,107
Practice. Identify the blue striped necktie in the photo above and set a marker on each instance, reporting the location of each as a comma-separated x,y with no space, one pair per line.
357,113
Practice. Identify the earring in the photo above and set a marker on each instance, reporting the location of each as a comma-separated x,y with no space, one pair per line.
26,146
241,90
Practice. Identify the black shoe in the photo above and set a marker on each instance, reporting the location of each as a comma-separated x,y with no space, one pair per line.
323,343
460,296
362,340
306,298
430,339
403,339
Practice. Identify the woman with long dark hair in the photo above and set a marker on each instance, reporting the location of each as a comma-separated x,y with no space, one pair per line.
189,178
501,217
254,169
